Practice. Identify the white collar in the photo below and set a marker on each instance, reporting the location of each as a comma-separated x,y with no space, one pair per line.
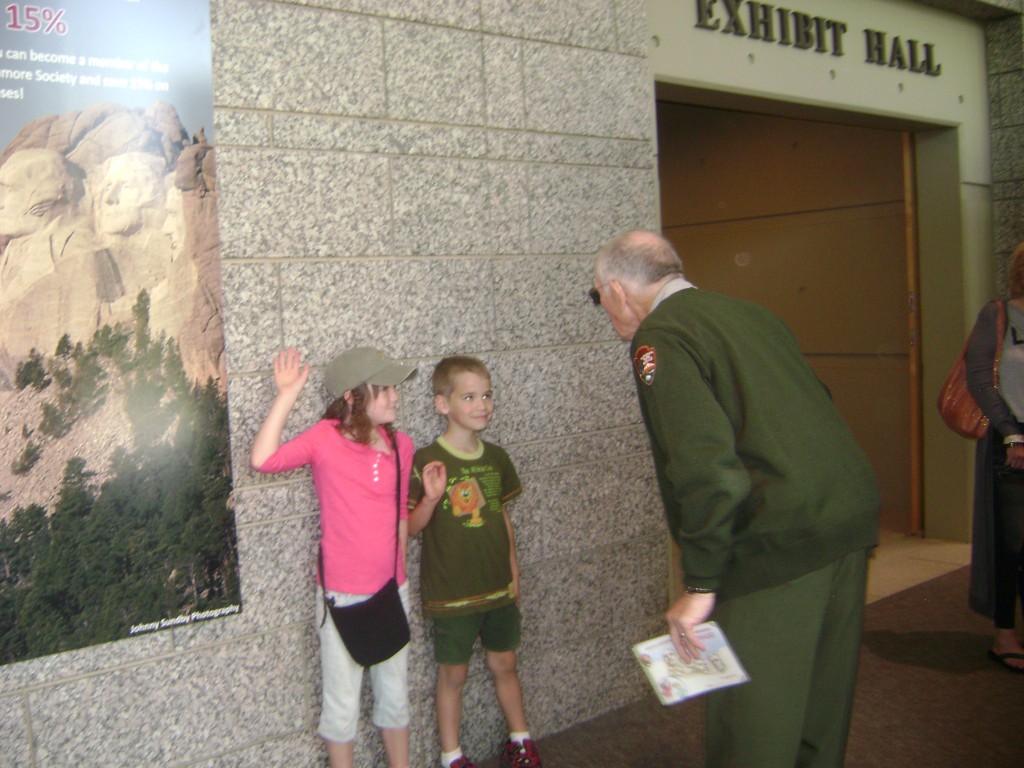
674,285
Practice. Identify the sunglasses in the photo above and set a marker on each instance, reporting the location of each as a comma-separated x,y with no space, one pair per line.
595,294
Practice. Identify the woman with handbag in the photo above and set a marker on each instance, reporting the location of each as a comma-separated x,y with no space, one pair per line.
995,376
360,467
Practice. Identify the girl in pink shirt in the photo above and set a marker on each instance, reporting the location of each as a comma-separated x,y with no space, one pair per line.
350,452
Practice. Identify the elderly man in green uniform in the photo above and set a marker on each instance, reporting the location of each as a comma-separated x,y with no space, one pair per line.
771,501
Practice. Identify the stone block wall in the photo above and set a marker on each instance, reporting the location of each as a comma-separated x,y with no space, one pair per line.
428,177
1004,42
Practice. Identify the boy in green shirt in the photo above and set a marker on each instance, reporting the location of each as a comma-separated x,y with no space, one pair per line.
469,574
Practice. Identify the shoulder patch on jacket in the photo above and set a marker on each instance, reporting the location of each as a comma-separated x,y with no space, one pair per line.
645,363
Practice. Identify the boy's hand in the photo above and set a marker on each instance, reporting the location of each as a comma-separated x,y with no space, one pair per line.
434,477
289,374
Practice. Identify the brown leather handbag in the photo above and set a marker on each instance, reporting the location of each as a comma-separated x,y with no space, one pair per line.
956,404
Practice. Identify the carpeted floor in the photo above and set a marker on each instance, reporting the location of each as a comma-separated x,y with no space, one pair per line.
927,697
927,694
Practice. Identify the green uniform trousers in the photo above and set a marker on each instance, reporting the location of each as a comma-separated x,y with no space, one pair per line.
800,644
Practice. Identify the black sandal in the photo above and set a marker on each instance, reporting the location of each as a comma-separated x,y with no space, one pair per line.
1000,659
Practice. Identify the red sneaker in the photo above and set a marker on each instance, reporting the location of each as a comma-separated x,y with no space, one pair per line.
516,755
463,762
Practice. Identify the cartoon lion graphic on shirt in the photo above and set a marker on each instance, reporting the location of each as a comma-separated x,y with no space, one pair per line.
467,499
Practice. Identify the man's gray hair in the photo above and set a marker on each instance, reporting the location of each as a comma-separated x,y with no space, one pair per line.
638,257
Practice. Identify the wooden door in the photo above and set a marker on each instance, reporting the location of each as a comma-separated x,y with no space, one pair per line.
810,220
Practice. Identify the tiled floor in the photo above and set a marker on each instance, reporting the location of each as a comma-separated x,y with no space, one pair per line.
902,561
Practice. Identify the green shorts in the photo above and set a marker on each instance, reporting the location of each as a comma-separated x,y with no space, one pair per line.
499,630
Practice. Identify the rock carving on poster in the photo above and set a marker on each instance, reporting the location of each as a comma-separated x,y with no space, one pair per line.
96,206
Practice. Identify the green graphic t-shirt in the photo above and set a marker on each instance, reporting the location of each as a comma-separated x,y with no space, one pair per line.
465,564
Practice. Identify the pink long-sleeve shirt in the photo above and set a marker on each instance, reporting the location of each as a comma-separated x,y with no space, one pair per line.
355,485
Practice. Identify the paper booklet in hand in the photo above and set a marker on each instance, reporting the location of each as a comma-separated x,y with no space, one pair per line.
674,680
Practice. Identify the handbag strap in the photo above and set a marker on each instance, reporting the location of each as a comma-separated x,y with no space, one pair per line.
398,523
1000,334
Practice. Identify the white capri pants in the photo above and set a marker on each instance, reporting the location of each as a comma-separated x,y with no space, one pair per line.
343,678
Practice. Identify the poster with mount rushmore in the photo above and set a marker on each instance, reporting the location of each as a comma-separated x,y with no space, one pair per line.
115,477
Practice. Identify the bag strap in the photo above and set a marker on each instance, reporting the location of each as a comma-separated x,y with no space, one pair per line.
323,585
1000,334
398,523
398,494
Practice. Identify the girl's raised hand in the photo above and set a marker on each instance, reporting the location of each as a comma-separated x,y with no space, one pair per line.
289,377
289,373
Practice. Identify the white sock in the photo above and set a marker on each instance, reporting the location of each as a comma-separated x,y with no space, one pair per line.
447,758
519,736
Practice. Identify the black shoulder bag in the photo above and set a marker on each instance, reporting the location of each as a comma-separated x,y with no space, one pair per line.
377,628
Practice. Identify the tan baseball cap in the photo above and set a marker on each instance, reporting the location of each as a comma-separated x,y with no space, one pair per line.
364,365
